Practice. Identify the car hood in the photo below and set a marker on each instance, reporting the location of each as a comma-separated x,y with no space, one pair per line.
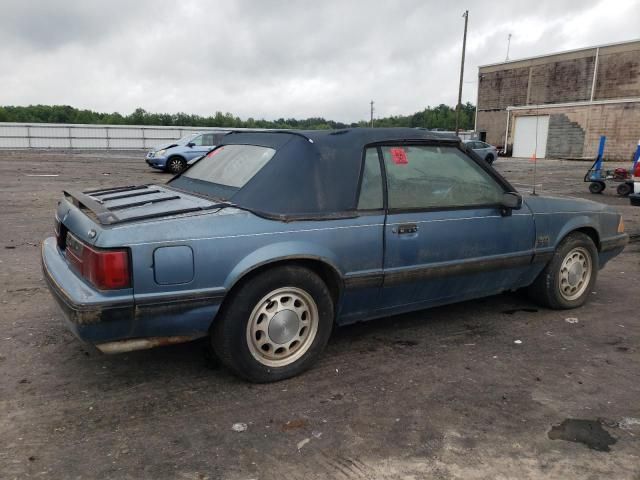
544,204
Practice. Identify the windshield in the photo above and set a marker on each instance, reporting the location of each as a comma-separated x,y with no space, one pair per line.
225,170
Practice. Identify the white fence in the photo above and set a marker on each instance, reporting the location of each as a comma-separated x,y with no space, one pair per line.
72,136
116,137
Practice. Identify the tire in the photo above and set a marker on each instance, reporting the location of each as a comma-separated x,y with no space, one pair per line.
286,308
490,158
597,187
176,165
624,189
561,285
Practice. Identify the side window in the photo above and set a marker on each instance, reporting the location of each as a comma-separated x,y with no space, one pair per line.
197,141
371,186
436,176
207,140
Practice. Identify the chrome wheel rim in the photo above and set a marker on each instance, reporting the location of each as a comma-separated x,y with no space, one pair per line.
282,326
175,165
575,273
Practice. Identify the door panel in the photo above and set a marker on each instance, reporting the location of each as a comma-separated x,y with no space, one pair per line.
446,236
455,254
200,146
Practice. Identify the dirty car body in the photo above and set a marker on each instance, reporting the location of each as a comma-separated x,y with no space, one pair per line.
385,221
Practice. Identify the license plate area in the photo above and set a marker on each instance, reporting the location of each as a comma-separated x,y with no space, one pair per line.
61,234
73,251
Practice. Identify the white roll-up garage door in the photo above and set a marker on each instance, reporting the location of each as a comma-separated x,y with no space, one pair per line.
527,128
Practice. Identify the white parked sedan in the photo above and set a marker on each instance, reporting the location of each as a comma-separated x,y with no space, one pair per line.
487,152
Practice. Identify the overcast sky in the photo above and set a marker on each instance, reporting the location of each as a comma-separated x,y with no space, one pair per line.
271,59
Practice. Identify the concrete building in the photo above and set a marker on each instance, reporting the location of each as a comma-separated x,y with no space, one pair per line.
559,105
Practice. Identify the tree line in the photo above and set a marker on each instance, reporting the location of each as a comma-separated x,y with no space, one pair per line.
440,117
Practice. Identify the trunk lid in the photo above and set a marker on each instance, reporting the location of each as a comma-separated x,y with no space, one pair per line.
114,206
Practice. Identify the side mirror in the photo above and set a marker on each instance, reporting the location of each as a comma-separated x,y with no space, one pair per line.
191,144
511,201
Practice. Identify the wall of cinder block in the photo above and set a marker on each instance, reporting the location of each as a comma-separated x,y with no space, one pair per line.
575,132
566,78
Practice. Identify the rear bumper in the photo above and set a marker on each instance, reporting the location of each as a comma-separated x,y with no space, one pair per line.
113,322
91,315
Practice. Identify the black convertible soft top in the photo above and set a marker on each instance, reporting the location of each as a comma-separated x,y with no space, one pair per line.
314,172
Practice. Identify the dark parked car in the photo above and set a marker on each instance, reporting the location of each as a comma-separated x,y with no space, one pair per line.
273,238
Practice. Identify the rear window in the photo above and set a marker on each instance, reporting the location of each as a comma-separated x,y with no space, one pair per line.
225,170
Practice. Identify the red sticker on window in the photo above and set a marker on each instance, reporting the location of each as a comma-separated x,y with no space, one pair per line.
399,156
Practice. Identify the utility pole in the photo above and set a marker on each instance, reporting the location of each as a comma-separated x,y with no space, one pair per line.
371,113
464,46
508,47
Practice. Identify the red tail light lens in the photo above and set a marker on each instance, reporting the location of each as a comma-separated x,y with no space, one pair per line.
106,269
636,172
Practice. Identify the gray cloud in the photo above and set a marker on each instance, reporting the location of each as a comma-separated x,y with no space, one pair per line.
276,58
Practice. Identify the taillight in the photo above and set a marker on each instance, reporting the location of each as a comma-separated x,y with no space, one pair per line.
106,269
636,171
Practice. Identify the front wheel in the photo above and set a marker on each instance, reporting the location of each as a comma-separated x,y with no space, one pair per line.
176,165
568,278
490,158
275,325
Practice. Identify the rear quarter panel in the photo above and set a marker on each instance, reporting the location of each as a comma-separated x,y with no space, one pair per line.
231,243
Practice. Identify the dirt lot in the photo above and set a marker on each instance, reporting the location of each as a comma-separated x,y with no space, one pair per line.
445,393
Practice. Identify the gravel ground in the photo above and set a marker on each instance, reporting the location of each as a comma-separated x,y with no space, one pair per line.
485,389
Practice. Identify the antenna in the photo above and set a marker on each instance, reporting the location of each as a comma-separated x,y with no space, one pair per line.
508,47
535,151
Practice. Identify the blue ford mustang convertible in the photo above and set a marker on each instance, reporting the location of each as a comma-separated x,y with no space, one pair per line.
272,238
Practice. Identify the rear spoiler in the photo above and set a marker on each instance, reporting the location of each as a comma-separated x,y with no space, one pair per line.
93,201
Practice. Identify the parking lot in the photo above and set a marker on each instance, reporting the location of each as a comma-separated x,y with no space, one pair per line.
470,391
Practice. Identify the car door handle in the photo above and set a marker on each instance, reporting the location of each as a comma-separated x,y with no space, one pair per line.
405,228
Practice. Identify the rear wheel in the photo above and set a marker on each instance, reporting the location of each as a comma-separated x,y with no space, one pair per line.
596,187
275,325
569,277
176,165
624,189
